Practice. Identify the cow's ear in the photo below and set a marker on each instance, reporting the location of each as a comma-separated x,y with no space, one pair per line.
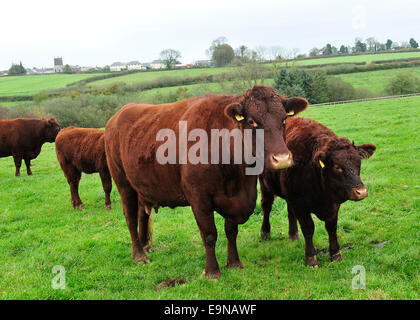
320,159
294,105
236,111
366,150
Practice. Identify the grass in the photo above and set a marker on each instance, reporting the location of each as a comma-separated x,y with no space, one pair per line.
31,84
368,58
39,230
375,81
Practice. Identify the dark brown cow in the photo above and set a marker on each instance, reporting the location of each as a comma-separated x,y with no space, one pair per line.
326,173
83,150
23,139
131,146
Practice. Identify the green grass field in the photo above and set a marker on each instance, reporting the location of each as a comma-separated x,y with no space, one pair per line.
39,230
375,81
31,84
368,58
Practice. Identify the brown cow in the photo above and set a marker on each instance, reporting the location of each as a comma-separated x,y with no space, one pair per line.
326,173
143,183
83,150
23,139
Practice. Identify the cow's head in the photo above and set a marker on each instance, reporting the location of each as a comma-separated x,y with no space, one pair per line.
339,162
51,129
263,108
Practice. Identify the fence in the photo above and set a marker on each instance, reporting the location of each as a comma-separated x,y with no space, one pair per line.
367,99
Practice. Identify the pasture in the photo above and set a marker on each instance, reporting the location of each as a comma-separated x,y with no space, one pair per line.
31,84
40,230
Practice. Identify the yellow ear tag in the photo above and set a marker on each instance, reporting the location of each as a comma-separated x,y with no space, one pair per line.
322,164
291,113
239,117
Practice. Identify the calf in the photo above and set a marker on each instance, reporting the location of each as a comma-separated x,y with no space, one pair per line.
83,150
23,139
133,140
326,173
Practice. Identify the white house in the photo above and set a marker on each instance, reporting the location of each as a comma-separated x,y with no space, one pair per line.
118,66
135,65
157,64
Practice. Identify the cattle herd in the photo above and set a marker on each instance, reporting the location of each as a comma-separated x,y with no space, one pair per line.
305,163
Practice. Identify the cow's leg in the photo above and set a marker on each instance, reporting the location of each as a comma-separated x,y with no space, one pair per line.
308,228
144,231
73,178
231,229
204,216
267,199
17,157
107,185
131,207
28,166
334,247
293,227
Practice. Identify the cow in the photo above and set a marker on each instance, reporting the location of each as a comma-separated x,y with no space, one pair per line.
326,173
83,150
144,183
23,139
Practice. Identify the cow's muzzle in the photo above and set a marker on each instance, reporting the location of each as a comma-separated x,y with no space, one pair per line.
359,193
281,161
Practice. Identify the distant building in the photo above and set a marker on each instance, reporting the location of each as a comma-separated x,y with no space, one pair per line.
203,63
118,66
157,64
58,65
135,65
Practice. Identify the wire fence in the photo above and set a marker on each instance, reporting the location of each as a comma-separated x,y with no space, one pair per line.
367,99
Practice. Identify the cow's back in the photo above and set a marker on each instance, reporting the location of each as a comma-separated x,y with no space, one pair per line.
83,148
19,134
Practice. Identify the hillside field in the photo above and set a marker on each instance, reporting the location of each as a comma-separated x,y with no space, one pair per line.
40,230
31,84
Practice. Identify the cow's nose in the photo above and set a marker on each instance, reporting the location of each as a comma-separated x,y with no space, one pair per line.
281,160
360,193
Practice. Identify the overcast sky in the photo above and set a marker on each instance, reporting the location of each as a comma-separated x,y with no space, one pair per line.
98,33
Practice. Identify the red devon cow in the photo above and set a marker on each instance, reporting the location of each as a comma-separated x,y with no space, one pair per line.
134,138
326,173
23,139
83,150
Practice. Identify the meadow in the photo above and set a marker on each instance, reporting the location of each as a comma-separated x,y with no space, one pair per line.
31,84
40,230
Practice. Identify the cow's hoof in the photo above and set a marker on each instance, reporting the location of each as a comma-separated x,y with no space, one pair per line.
141,258
212,275
79,207
147,247
29,173
265,235
311,261
17,175
294,237
237,265
108,207
337,256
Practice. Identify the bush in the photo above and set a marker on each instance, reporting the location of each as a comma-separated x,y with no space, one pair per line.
404,82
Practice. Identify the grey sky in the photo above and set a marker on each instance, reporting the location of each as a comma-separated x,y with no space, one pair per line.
91,32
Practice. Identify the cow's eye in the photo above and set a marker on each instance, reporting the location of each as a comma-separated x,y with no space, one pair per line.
338,169
252,123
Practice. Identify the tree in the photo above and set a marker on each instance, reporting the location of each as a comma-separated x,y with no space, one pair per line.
327,50
314,52
413,43
217,42
371,44
404,82
67,69
170,57
343,49
17,69
299,82
359,46
388,44
222,54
